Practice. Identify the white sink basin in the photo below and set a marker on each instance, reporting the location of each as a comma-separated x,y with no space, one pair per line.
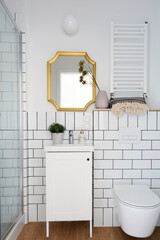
69,148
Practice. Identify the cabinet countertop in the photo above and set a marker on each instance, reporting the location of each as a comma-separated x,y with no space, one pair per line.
69,148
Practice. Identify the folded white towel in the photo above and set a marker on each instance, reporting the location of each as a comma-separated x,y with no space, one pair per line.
129,107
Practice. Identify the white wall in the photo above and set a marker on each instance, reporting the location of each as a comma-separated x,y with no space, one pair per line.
15,5
17,9
45,36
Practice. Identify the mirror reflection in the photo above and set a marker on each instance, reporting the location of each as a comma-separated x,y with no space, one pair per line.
65,90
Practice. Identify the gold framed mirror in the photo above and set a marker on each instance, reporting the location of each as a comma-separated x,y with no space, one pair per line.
65,90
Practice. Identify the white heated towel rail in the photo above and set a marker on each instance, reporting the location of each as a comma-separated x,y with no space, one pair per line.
128,59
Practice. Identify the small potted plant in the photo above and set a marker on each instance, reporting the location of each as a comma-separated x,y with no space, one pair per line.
57,131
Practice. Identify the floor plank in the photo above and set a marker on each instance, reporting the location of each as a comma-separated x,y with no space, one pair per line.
76,231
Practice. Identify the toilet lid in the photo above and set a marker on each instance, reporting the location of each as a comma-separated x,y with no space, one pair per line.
136,195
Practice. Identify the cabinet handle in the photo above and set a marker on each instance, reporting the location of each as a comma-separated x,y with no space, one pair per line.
87,159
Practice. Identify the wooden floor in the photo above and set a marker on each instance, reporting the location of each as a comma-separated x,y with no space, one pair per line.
77,231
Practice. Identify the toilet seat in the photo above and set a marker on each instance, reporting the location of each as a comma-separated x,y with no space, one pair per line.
138,196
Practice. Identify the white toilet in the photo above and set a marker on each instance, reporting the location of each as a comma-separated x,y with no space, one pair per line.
137,208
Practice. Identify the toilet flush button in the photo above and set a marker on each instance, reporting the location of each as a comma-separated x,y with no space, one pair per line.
134,137
125,137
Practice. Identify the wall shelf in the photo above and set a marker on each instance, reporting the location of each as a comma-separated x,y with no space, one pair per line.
108,109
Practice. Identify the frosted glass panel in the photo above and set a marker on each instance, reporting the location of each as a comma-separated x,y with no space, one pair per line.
10,133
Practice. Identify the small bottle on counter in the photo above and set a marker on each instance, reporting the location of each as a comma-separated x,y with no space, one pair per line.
82,138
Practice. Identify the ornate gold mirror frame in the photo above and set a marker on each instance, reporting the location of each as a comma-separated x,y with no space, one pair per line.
53,60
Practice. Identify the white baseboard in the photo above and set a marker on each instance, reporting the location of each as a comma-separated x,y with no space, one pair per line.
16,229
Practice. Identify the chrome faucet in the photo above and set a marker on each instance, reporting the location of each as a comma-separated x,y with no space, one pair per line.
71,140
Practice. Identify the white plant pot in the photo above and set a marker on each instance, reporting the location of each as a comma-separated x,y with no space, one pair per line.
102,100
57,138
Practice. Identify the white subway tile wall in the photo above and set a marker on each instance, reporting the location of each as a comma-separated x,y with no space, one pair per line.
119,163
9,135
38,138
114,163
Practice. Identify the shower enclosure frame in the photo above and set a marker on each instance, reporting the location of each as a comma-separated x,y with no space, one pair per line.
19,222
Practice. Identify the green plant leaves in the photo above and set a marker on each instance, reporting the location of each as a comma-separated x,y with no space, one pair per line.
56,128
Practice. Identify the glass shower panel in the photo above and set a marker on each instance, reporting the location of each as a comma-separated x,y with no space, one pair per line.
10,124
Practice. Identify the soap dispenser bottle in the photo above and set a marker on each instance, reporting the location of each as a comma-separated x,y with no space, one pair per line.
82,138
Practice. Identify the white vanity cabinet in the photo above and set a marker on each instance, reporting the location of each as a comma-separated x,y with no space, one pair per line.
68,183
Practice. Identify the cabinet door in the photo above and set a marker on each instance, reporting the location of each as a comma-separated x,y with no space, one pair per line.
69,186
